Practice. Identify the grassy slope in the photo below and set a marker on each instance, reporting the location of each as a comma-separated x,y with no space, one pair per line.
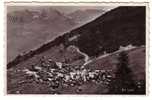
17,79
136,62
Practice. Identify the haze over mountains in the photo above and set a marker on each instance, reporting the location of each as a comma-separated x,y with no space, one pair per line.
93,46
101,36
28,29
84,16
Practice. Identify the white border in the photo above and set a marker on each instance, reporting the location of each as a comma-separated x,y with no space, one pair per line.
73,97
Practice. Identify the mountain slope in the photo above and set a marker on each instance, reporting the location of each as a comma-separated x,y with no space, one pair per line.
34,27
119,27
20,81
83,60
28,29
83,16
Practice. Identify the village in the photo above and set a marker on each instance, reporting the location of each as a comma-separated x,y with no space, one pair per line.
58,74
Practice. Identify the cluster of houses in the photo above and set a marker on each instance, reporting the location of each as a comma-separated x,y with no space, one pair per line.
58,74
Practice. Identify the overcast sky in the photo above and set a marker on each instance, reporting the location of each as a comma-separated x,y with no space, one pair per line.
64,9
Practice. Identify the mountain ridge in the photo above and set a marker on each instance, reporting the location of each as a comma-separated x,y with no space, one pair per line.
105,21
47,24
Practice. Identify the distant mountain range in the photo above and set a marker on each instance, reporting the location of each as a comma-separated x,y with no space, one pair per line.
83,16
27,29
119,27
94,46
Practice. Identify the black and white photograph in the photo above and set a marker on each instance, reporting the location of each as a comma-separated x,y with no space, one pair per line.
76,49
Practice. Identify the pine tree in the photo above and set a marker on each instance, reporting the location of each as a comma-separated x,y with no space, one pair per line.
123,82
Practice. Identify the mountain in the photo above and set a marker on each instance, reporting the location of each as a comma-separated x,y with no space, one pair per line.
27,29
121,26
100,35
92,47
34,27
83,16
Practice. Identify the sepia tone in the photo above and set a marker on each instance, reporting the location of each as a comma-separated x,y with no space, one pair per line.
76,50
